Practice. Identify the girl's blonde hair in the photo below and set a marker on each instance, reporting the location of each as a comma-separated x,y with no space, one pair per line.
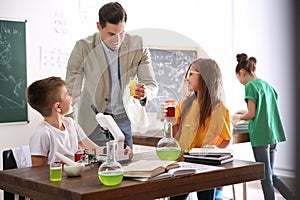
210,84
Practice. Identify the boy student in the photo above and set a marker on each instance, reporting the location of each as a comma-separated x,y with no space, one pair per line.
56,133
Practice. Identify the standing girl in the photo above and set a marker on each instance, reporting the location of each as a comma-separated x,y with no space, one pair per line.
265,126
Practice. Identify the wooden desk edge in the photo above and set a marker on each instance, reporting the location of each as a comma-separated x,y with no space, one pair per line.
248,171
148,140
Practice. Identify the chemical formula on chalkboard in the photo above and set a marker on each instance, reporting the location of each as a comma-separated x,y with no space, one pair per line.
169,65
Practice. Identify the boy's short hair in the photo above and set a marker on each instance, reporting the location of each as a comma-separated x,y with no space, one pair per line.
42,94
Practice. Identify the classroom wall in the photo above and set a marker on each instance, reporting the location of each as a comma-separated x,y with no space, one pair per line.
221,28
264,29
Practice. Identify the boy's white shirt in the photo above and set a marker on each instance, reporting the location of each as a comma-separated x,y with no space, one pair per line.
47,140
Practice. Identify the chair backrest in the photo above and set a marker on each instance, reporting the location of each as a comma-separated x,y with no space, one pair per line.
9,162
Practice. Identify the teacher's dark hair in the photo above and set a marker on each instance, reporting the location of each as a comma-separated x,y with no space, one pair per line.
112,13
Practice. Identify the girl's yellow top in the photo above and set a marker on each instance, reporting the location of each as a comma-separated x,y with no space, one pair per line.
217,127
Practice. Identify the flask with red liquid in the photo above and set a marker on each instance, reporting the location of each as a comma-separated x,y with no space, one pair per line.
170,108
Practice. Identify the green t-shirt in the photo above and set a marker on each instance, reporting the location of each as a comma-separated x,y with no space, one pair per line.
266,127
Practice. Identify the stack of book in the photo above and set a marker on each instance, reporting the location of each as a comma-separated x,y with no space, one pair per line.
209,156
243,127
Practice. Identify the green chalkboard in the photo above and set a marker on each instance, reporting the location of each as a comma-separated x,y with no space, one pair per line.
169,65
13,78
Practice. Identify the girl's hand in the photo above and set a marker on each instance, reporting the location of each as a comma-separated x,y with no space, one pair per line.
241,112
235,119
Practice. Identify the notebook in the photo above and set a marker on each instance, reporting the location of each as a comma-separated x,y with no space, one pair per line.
209,159
210,150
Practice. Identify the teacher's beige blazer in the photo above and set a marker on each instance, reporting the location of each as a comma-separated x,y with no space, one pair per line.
88,80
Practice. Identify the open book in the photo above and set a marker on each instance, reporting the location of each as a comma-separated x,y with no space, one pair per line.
175,172
184,169
148,168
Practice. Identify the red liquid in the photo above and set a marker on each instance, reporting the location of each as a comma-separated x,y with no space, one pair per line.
77,156
170,112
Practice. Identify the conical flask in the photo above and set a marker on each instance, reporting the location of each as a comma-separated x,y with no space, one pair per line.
168,148
110,172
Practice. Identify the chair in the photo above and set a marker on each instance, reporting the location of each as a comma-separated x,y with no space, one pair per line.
9,162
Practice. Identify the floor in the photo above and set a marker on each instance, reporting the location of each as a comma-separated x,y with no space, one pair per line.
253,189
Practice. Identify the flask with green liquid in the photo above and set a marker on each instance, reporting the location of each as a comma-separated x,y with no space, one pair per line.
168,148
110,172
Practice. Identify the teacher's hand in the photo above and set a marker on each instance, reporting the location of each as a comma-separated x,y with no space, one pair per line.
140,91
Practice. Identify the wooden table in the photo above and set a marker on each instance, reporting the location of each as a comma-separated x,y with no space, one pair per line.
34,182
150,138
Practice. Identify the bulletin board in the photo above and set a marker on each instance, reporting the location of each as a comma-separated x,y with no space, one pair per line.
169,64
13,76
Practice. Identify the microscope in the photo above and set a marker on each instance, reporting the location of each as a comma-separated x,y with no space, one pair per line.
112,131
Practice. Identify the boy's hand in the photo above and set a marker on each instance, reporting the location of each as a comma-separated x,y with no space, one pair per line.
128,151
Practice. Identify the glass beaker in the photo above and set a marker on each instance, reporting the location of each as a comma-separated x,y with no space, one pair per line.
55,171
168,148
170,108
110,172
132,85
78,155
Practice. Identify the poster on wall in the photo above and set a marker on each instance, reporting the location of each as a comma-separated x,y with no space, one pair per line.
13,76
